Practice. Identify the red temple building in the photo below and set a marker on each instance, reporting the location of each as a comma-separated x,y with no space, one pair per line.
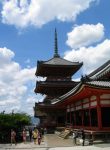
84,104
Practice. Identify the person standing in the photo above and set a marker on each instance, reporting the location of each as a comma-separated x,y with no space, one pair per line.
24,135
83,137
13,137
39,137
35,135
30,134
45,130
75,135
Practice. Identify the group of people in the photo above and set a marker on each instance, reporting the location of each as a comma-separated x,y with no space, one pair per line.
36,135
82,135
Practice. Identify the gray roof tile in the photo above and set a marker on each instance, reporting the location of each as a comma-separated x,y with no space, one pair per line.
60,61
99,83
102,70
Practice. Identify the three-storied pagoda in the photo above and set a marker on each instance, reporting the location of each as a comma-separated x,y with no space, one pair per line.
58,73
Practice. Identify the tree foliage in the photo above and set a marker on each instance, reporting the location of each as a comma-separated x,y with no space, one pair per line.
12,121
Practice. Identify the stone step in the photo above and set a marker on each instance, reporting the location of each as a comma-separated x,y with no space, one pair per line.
64,133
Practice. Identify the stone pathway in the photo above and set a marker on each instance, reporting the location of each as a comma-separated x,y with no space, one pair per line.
53,142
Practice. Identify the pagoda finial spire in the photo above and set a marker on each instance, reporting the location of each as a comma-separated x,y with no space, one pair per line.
56,45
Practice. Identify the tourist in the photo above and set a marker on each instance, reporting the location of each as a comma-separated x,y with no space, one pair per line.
39,137
30,134
35,135
13,136
83,137
75,135
45,130
42,132
24,135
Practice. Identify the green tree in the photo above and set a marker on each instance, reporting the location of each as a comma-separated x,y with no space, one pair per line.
12,121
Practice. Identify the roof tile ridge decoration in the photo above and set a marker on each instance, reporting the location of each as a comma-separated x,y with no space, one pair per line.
105,84
73,61
100,69
48,60
101,72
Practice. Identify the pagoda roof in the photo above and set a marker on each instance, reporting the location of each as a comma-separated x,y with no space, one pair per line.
45,68
60,62
101,72
53,87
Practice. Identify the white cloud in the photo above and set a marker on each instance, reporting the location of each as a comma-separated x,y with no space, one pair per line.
39,12
85,35
14,82
92,57
5,56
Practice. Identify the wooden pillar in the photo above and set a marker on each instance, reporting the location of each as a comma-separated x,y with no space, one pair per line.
82,116
74,115
66,115
99,117
89,112
70,116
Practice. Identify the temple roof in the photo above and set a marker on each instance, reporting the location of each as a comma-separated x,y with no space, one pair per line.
101,72
91,84
60,62
55,66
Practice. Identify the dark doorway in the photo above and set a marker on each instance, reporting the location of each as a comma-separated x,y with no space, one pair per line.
94,118
105,116
73,118
86,120
68,117
78,118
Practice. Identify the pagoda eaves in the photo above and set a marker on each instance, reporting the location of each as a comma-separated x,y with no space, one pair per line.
56,67
54,87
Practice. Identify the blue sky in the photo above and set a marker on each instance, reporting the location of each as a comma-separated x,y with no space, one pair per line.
27,35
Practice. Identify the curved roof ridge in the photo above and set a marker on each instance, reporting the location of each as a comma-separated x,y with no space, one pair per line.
100,69
60,61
